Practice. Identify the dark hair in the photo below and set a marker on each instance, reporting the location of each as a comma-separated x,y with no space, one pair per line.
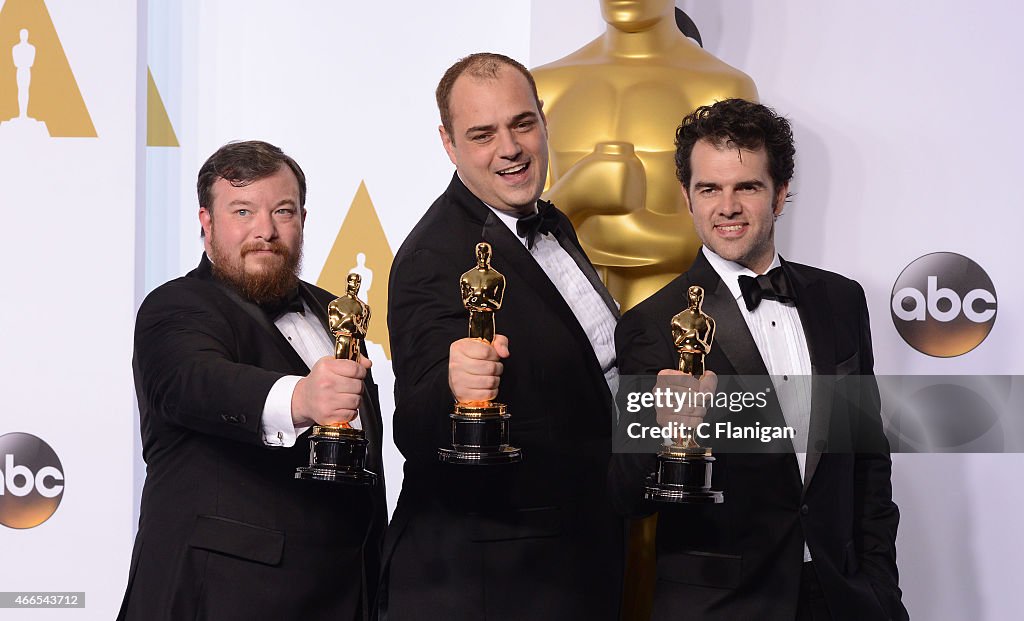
740,124
482,65
241,163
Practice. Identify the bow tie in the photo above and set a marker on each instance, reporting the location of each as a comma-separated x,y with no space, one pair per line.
774,285
545,220
291,303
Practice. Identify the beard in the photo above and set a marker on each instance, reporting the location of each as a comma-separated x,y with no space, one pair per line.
278,279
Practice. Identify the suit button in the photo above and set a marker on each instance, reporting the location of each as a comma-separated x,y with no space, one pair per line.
804,510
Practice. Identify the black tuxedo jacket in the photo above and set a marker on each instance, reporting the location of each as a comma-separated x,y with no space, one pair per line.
534,540
225,531
742,559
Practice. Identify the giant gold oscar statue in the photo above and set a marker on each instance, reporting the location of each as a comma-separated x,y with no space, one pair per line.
612,108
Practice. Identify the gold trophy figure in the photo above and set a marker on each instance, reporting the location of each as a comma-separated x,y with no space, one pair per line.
480,428
483,288
692,332
612,108
684,467
337,452
349,318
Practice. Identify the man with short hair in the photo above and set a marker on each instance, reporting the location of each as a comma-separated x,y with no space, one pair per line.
808,527
233,364
530,540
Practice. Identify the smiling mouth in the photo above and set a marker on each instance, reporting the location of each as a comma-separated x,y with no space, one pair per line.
731,228
514,170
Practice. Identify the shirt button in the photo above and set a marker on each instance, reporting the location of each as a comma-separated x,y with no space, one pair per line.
785,378
773,324
804,510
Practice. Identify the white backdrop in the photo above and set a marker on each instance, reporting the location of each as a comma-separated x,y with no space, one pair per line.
904,115
68,271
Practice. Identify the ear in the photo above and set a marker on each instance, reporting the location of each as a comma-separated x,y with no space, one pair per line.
206,221
303,217
449,145
780,199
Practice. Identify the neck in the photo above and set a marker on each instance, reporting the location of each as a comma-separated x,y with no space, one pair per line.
654,40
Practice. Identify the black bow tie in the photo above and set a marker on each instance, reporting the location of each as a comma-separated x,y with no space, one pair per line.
545,220
291,303
774,285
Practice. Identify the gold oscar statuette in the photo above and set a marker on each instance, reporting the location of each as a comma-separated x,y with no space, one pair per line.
612,108
684,467
480,428
337,453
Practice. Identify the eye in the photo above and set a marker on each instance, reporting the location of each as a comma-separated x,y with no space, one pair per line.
480,138
285,212
242,212
525,126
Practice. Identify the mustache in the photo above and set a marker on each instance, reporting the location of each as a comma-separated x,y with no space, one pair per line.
257,246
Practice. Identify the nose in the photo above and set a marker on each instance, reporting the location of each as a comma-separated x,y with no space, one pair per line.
731,204
508,145
264,226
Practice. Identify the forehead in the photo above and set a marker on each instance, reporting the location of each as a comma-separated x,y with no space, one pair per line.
482,101
722,163
280,185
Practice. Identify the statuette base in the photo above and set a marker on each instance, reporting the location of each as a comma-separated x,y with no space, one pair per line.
683,476
480,436
337,455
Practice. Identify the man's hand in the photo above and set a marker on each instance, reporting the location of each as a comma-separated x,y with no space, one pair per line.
474,368
331,393
685,386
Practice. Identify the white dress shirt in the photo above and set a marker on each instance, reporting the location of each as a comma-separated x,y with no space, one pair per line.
586,303
779,336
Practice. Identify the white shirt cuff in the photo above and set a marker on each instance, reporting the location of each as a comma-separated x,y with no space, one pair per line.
278,429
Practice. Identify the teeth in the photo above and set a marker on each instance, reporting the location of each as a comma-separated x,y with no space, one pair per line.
513,170
731,227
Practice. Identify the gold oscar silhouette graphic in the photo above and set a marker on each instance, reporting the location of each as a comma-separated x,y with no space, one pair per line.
612,108
480,428
39,95
362,247
337,453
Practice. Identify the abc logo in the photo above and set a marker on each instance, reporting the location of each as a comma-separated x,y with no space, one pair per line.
31,481
943,304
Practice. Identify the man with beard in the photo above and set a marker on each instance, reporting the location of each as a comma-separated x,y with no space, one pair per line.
233,364
530,540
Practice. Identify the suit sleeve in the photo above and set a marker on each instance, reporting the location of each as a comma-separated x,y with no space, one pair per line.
877,516
185,370
425,316
640,352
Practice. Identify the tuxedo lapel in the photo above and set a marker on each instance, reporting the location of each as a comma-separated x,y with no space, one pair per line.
255,313
318,308
816,317
567,239
732,336
733,339
510,255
